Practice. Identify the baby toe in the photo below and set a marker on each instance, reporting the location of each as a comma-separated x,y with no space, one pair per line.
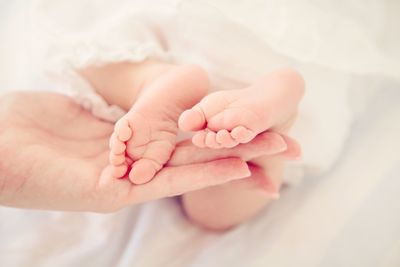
119,171
242,135
199,139
192,120
116,146
142,171
225,139
211,141
116,159
122,130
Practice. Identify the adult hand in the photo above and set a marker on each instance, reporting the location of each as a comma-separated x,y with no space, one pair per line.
53,155
268,146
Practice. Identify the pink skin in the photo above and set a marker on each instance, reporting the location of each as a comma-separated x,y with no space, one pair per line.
278,93
228,118
145,137
265,144
262,149
54,156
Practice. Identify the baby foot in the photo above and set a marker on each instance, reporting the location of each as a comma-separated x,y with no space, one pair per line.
228,118
145,137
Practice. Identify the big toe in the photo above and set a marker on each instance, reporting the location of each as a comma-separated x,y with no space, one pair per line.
192,120
142,171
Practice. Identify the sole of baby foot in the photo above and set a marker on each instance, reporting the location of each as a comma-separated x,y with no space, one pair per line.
147,133
228,118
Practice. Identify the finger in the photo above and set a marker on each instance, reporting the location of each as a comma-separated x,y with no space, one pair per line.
293,151
258,181
172,181
267,143
272,167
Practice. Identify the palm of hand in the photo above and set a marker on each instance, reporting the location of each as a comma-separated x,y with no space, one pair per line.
58,141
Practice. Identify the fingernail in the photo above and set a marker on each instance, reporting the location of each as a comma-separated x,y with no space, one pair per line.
280,144
247,172
243,169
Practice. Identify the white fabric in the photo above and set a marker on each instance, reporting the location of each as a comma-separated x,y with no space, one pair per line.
348,218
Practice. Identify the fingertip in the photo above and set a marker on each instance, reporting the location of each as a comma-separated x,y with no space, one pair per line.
293,150
239,167
246,170
275,142
279,144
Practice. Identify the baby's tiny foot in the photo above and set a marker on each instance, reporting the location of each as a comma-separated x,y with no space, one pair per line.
145,137
228,118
